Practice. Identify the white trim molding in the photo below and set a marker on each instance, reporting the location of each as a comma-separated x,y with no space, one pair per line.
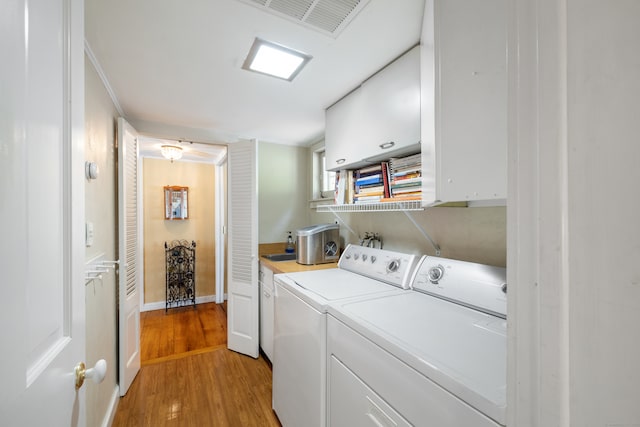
160,305
103,76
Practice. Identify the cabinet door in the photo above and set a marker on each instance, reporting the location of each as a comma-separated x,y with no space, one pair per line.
391,101
471,99
266,311
343,137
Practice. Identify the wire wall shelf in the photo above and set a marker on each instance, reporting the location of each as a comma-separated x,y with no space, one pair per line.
400,206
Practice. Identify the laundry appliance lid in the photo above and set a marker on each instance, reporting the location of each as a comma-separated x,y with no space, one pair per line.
335,284
461,349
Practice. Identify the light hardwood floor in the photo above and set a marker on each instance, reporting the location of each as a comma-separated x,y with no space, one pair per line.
189,378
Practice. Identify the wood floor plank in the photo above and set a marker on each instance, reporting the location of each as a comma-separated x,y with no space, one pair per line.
182,330
216,388
208,385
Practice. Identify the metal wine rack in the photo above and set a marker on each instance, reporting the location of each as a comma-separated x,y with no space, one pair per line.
181,273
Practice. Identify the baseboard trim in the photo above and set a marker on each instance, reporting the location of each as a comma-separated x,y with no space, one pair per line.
113,407
160,305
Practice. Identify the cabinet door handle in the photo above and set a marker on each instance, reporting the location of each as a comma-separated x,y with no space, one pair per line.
341,161
387,145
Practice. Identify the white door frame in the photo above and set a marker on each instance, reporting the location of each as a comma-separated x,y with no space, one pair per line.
220,226
220,229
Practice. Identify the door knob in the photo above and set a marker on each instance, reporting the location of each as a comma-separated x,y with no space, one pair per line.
96,373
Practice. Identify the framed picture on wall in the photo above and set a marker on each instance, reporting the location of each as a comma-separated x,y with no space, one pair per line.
176,202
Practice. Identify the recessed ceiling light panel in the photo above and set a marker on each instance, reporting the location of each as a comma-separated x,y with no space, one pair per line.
275,60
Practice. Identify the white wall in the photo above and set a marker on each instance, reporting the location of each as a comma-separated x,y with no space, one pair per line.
100,208
469,234
574,241
282,191
284,173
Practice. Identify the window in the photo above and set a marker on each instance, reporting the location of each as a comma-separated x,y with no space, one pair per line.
327,179
323,181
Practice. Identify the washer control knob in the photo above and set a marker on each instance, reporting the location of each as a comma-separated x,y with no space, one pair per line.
504,288
373,259
364,257
393,266
435,274
356,256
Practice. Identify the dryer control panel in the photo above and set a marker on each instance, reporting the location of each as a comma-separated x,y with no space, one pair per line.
481,287
394,268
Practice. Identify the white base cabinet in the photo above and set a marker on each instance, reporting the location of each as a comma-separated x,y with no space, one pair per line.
266,311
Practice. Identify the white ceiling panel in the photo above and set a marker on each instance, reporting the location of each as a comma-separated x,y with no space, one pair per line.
175,66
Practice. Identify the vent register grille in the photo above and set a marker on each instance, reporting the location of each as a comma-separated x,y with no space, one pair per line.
327,16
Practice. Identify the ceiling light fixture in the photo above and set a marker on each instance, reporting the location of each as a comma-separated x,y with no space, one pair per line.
171,152
275,60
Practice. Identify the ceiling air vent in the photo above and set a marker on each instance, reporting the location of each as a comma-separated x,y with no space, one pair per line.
327,16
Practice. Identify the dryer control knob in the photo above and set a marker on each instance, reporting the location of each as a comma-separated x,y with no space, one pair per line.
435,274
393,266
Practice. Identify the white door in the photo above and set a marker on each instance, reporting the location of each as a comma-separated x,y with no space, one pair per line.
128,278
42,212
242,291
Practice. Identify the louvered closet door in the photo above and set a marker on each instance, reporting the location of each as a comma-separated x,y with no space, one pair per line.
128,293
242,290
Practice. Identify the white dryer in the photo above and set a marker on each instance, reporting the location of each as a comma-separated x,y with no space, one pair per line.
432,356
300,329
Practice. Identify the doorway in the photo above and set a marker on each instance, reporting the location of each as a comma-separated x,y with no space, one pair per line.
202,169
169,334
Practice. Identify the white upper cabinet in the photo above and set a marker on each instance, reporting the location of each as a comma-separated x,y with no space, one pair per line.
464,101
379,119
392,105
342,134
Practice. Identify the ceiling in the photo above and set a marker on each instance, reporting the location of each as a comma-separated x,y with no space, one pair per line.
173,67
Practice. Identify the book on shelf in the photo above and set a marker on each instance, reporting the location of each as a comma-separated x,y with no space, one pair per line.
367,199
386,179
370,169
407,182
398,179
339,193
368,180
344,187
405,177
401,199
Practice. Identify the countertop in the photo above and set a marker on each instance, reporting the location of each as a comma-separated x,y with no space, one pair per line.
286,266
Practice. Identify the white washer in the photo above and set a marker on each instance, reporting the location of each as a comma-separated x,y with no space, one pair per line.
300,330
432,356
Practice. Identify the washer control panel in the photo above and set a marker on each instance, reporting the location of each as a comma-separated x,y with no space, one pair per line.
479,286
394,268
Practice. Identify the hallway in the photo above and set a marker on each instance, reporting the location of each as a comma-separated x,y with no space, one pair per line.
189,378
